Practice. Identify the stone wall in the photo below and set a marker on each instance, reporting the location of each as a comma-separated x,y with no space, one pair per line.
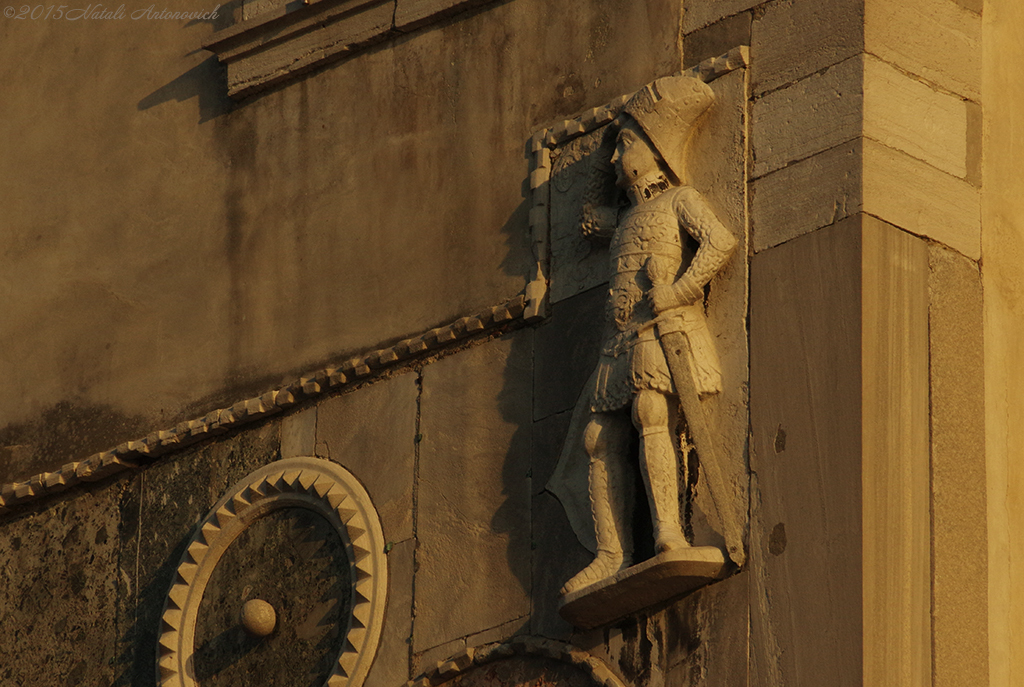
170,253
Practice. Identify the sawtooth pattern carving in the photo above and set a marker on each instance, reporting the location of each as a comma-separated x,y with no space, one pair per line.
318,485
137,453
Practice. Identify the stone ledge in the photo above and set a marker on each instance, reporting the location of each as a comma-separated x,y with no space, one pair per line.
142,452
280,45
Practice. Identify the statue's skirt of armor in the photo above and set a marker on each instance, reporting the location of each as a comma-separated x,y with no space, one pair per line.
640,366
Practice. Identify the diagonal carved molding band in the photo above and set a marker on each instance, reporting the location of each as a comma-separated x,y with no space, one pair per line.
321,486
140,452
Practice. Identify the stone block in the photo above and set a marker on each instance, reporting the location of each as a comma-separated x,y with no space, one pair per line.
807,195
958,477
473,506
566,351
920,199
372,432
557,556
391,667
804,456
716,39
298,434
865,175
904,113
432,657
707,634
795,38
839,458
503,632
58,591
937,40
701,13
814,114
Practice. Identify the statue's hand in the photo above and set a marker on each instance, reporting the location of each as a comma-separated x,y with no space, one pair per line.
662,297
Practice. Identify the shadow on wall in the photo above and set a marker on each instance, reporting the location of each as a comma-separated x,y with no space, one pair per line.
515,406
205,82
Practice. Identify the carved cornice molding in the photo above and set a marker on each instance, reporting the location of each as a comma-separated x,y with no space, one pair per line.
140,452
282,44
464,661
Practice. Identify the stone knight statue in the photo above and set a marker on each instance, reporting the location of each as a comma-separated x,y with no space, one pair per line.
659,356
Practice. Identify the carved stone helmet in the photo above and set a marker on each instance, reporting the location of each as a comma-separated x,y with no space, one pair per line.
666,110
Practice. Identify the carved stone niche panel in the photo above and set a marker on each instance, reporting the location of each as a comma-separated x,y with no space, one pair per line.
563,159
284,582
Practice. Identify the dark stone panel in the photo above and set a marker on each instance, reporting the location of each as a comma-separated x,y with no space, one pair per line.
567,349
557,556
171,499
58,590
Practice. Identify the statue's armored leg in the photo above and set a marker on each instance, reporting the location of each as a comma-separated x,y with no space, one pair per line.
660,468
611,498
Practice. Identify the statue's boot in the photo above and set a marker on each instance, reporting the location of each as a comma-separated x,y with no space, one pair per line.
661,478
611,501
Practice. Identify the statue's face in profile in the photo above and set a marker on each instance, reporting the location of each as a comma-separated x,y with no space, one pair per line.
634,157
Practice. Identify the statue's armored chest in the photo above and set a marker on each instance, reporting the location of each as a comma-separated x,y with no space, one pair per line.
646,230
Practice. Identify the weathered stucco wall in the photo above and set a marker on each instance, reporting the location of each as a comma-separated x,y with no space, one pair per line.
168,251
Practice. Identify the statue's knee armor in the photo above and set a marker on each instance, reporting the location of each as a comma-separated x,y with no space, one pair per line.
650,411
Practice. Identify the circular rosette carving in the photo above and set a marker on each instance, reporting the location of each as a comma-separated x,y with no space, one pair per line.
340,502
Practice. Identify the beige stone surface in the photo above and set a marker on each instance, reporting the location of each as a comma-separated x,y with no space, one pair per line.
895,464
391,666
807,195
298,433
959,519
473,513
922,200
904,113
1003,251
795,38
861,95
937,40
865,175
372,433
814,114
